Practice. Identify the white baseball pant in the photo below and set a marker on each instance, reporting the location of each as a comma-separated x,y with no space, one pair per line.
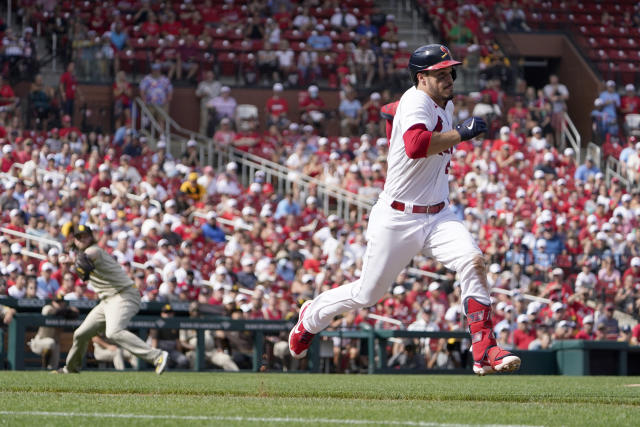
393,239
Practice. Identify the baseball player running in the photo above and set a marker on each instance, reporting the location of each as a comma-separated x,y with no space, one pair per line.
119,302
411,215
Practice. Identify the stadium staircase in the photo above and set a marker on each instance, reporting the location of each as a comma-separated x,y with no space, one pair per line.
411,27
157,124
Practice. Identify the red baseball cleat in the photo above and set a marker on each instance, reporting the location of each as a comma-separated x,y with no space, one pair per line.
299,338
487,356
497,360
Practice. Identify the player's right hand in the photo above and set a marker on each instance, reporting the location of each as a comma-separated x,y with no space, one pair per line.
471,127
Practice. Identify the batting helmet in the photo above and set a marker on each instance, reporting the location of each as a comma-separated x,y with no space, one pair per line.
430,57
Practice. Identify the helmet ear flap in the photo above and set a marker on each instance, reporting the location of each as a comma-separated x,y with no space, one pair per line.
453,73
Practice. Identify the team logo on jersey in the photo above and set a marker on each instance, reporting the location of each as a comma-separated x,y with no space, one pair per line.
445,51
477,316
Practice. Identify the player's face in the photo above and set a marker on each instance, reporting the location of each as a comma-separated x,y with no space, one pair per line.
439,85
83,241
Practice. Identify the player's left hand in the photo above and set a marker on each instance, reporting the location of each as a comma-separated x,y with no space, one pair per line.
84,266
471,127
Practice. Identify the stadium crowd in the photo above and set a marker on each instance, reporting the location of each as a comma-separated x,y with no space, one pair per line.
560,241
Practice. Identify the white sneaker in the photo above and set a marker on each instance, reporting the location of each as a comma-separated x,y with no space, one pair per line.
161,362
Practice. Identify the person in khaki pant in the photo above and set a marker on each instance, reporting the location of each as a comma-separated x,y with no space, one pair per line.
45,343
105,351
119,302
189,341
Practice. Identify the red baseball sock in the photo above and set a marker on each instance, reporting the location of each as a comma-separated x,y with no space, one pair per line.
480,327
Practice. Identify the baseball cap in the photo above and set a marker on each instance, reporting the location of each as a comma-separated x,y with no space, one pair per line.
399,290
278,87
192,143
53,252
533,308
557,271
611,83
557,306
47,266
538,174
494,268
313,89
523,318
587,319
630,87
501,305
504,130
434,286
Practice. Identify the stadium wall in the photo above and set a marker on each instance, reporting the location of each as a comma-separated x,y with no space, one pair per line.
573,71
185,106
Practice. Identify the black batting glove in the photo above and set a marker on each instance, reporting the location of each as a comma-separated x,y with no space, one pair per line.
471,127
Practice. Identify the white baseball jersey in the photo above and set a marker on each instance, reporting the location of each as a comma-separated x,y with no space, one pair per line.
422,181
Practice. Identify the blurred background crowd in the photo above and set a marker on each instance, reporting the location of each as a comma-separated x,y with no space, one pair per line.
562,241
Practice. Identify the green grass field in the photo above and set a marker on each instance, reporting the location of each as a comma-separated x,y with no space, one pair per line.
180,398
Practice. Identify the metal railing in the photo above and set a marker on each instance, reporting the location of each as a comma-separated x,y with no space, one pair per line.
613,169
595,153
569,134
30,238
332,198
223,221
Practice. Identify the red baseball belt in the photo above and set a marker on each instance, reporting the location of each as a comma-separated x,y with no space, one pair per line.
432,209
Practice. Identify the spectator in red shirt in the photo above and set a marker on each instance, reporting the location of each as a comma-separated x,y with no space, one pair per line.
586,333
635,335
630,102
248,138
121,99
524,334
312,107
69,89
634,270
151,26
67,128
8,97
371,115
7,158
171,26
277,108
188,55
101,180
